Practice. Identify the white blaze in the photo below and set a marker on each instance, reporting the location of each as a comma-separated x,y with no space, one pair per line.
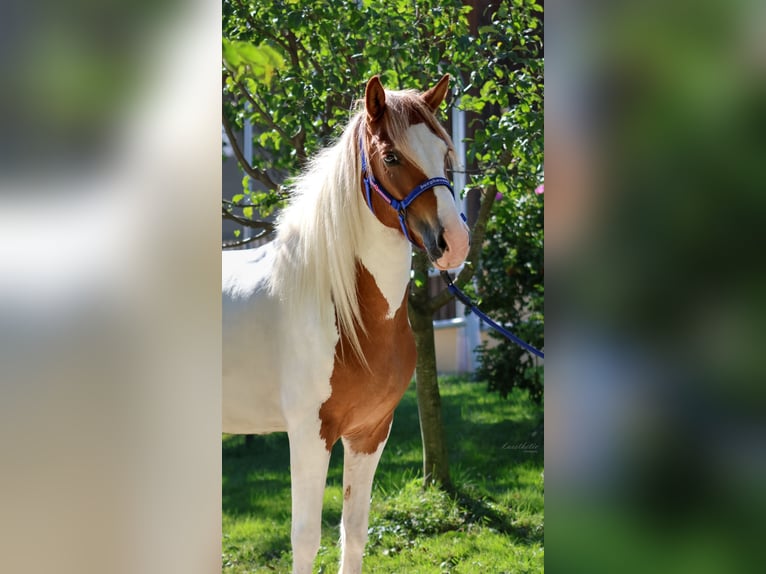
431,151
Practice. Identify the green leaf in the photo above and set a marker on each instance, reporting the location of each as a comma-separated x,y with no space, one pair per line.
231,55
488,89
261,61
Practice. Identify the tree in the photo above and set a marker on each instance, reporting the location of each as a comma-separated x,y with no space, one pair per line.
508,144
507,149
422,308
292,68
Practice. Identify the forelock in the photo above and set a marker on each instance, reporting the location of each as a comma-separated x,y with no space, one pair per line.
403,109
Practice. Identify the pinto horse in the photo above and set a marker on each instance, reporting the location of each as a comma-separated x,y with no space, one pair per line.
316,338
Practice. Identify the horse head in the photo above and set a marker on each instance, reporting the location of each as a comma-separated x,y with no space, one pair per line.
405,154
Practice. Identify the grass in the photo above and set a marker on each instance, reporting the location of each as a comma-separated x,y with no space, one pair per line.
493,524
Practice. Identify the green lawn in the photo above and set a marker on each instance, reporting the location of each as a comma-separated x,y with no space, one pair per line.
494,525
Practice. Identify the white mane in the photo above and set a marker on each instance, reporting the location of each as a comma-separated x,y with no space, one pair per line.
318,233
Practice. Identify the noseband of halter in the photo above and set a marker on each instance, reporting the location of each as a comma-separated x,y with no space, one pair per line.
398,205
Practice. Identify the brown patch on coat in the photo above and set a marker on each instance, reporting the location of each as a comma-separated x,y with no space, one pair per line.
347,493
361,405
400,181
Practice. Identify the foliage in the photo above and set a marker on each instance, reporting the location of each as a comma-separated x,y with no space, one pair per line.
508,148
293,68
494,524
297,65
511,285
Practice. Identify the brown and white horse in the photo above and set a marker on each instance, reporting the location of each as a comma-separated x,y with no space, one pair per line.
316,338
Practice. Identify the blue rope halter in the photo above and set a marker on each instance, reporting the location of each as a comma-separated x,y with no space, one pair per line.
398,205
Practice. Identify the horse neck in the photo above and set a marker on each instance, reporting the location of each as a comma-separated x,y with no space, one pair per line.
387,255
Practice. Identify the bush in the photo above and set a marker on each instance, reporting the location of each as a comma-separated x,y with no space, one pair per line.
508,147
512,292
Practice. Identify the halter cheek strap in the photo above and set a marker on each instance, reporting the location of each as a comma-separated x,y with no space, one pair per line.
398,205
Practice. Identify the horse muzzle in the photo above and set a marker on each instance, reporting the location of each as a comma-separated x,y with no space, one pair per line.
446,248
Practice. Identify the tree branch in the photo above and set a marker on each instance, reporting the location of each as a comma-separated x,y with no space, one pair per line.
474,254
258,174
279,195
298,45
239,243
267,226
297,140
258,107
293,50
262,30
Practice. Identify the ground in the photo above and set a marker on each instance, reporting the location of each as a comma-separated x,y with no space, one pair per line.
493,524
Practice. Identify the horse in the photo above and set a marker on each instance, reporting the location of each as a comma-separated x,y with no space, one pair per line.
316,338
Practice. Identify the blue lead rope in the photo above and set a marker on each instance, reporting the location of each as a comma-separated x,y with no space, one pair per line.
468,303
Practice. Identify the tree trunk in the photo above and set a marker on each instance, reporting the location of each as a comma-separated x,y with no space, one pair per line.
435,461
421,310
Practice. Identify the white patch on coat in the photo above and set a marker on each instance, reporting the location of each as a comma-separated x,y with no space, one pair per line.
431,151
272,371
358,474
386,254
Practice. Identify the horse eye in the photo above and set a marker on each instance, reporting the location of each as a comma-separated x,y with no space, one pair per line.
390,159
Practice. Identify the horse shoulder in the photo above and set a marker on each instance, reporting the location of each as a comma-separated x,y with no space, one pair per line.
364,396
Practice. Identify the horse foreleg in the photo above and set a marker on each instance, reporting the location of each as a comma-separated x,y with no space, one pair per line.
309,459
358,472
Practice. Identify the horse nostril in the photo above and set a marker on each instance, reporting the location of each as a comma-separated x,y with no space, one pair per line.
441,242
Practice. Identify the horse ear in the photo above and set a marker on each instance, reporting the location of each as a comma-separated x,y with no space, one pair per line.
435,96
374,99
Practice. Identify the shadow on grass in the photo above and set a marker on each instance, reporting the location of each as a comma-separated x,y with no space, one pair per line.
480,510
495,451
254,471
256,477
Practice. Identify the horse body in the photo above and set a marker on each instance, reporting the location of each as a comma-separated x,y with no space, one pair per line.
316,338
252,344
257,346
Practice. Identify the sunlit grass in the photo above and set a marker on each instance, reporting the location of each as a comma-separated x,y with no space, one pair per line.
494,524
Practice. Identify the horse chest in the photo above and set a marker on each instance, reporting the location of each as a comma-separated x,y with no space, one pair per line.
361,405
